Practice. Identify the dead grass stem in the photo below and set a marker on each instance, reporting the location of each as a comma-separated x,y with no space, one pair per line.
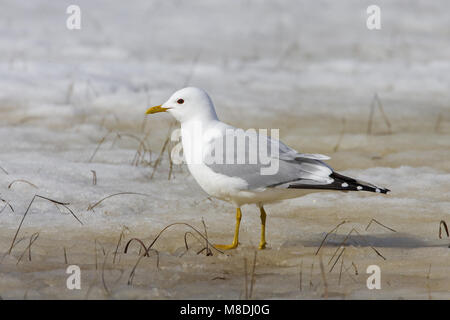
92,206
23,181
379,223
26,212
326,236
324,279
33,238
376,101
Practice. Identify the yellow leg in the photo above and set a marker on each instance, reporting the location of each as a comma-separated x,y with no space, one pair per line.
262,243
236,234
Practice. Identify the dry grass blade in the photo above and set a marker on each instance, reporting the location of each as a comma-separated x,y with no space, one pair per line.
122,272
428,283
341,244
245,280
147,249
15,244
185,239
340,271
116,137
94,177
362,237
442,223
337,259
118,243
378,253
169,154
138,241
351,277
376,100
65,206
208,251
33,238
386,119
92,206
138,157
95,254
300,280
91,285
20,225
66,261
7,204
4,170
379,223
95,248
324,279
311,275
326,236
26,212
352,265
144,121
23,181
252,279
108,293
367,244
356,269
185,224
159,159
114,116
98,146
133,271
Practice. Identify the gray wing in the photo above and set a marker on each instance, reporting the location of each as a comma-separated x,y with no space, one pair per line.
293,168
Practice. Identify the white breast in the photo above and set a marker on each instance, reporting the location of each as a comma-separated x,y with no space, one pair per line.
215,184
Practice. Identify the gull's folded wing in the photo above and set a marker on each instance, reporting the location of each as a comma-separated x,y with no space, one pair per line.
292,166
295,170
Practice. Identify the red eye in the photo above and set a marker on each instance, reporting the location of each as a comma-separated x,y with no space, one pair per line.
180,101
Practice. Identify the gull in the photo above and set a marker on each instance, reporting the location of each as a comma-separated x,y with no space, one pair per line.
205,139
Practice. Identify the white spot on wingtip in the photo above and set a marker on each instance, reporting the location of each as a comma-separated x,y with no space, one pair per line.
344,185
377,190
359,187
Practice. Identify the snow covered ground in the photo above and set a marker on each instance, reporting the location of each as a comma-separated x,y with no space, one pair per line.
72,103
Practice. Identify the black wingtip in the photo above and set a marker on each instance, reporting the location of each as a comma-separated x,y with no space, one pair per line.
357,185
383,190
341,183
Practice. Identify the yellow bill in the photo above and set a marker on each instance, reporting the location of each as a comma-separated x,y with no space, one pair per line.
156,109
